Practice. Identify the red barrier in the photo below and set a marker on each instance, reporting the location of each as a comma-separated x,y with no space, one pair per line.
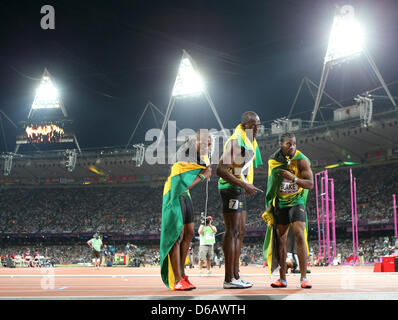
378,267
388,264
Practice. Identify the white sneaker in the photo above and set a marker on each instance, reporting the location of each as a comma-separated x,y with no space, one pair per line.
247,284
209,272
234,284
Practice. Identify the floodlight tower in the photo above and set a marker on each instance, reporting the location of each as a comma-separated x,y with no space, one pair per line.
346,42
189,83
47,97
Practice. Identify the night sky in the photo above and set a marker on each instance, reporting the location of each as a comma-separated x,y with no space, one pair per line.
108,58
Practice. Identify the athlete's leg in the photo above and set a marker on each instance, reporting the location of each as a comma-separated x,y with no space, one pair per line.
231,221
185,243
175,257
282,231
298,229
241,235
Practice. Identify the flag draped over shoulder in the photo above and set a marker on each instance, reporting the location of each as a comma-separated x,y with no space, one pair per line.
252,155
181,177
275,162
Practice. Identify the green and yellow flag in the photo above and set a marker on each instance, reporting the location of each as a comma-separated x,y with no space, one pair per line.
276,162
181,177
252,156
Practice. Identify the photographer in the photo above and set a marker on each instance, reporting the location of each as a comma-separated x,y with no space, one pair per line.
207,239
95,244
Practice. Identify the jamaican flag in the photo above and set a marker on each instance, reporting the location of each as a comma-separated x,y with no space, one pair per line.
252,156
181,177
275,162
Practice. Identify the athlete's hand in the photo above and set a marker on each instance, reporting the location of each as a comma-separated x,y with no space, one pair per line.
251,189
207,172
286,174
268,218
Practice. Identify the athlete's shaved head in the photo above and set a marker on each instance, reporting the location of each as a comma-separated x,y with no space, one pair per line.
250,121
203,141
202,134
249,116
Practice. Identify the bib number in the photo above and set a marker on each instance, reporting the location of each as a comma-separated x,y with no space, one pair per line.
234,204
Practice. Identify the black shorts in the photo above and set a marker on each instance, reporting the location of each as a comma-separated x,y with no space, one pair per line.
96,254
233,200
186,209
289,215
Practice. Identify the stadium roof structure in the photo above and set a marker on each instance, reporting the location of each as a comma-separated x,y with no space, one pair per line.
326,144
338,141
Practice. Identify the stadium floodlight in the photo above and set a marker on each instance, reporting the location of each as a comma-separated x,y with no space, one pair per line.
47,95
188,81
346,37
346,41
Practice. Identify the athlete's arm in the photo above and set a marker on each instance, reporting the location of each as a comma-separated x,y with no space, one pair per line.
307,178
207,174
231,156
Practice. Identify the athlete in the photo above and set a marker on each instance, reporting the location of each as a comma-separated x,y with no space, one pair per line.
289,179
95,244
177,229
235,169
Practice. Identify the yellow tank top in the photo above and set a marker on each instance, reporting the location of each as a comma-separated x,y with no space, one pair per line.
288,190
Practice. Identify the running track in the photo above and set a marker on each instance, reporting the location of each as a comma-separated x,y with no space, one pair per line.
87,283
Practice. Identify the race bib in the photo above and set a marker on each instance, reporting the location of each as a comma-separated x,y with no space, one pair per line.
233,204
288,187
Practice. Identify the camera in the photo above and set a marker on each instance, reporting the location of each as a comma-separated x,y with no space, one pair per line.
206,220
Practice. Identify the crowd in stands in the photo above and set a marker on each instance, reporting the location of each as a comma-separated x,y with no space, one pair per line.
252,252
60,210
137,209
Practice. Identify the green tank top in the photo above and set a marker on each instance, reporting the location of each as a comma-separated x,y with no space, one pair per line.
96,243
207,237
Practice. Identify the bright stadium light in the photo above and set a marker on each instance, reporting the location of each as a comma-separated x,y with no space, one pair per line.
188,81
346,38
346,42
47,96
